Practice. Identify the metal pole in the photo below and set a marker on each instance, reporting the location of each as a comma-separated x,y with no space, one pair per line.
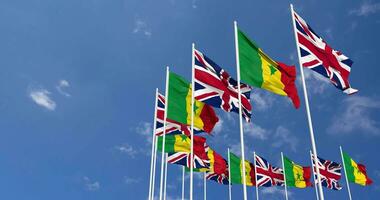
229,175
257,186
166,174
183,183
204,187
240,110
314,148
312,168
345,173
283,167
163,161
152,160
192,122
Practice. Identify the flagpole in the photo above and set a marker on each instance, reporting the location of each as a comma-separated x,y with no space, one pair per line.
183,183
312,168
283,167
166,174
314,148
192,121
240,111
204,187
154,166
164,132
345,173
152,160
257,187
229,175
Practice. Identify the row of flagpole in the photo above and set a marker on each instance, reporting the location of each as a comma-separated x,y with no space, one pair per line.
162,193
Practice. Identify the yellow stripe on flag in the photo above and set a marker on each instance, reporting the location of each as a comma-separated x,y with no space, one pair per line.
248,169
360,178
271,75
182,144
198,123
298,176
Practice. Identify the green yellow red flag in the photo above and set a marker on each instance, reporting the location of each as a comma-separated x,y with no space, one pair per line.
356,173
296,175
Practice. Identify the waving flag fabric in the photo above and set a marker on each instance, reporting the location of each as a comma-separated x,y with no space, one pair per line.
178,147
296,175
356,173
215,87
218,168
172,127
259,70
236,170
179,106
267,175
317,55
330,173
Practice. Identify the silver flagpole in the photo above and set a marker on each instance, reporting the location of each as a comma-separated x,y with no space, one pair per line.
345,173
154,168
183,183
283,167
229,175
240,110
166,174
314,148
316,183
152,160
192,122
257,186
204,187
163,161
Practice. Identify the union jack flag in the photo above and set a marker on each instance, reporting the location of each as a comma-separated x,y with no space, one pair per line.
214,86
219,178
317,55
330,173
183,158
267,175
172,127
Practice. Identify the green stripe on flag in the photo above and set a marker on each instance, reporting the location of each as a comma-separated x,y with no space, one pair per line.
349,168
235,169
169,143
177,95
288,165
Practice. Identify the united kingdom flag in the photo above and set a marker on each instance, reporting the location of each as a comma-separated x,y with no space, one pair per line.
267,175
330,173
172,127
214,86
317,55
219,178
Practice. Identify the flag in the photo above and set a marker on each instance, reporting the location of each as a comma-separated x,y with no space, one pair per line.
329,173
218,170
219,178
179,106
215,87
236,171
259,70
356,173
317,55
179,149
267,175
296,175
172,127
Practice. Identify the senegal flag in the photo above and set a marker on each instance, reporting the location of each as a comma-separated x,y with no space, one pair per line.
356,173
236,170
179,105
259,70
182,143
296,175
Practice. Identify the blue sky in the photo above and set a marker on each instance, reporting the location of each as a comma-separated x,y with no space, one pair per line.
77,88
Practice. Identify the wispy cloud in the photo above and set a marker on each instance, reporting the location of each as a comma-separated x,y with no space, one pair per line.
194,4
366,8
261,100
316,82
218,127
274,191
355,114
142,28
41,97
283,137
130,180
91,185
255,131
127,149
62,85
145,129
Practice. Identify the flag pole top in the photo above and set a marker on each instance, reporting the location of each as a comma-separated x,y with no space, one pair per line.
291,6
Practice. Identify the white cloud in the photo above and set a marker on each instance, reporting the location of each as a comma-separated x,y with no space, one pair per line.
255,131
218,127
355,114
62,84
328,33
41,97
145,129
315,82
194,4
129,180
91,185
274,191
261,100
283,137
142,27
127,149
366,8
